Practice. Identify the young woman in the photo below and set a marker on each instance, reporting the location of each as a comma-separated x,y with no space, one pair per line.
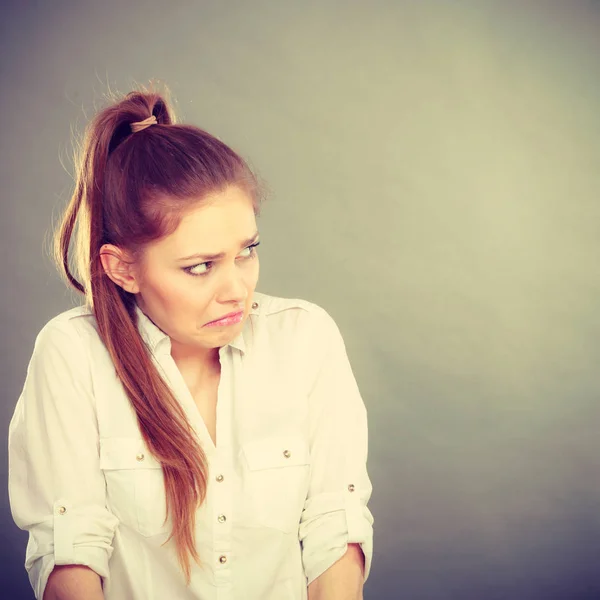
181,435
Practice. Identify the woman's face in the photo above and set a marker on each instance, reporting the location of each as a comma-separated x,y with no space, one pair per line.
207,268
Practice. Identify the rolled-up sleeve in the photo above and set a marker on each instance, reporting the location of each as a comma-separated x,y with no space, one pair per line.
56,488
335,512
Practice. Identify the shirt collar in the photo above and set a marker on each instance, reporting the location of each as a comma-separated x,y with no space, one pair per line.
156,337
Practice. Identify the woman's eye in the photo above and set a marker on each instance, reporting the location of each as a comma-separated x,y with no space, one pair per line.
250,250
201,269
204,268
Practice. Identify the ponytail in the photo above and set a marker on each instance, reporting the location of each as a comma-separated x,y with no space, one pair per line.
108,207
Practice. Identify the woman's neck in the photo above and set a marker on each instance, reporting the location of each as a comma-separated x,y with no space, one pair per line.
197,364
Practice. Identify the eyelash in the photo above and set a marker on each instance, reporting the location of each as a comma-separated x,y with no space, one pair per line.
188,270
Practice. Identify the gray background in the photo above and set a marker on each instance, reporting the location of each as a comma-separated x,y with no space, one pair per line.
434,169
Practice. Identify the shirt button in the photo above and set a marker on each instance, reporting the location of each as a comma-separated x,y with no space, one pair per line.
219,478
351,487
222,518
255,305
139,457
287,453
62,510
222,559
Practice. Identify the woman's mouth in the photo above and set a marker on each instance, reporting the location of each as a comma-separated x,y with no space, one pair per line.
230,319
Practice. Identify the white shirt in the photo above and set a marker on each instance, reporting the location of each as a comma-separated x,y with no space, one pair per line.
288,485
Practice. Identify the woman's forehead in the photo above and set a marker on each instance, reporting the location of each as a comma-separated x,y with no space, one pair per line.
212,227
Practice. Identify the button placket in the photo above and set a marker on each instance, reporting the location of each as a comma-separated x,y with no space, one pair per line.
221,513
222,486
221,509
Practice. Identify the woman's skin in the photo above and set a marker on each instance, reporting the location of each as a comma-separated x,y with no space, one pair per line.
343,580
181,303
73,582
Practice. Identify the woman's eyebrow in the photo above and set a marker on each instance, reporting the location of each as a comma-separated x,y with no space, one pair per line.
209,257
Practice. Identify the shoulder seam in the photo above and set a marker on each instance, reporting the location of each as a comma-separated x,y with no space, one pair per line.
276,304
275,310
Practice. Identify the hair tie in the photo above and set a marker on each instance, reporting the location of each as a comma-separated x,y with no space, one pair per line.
151,120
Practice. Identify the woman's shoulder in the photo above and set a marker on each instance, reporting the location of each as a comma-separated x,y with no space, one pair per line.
69,330
270,305
64,352
299,334
294,316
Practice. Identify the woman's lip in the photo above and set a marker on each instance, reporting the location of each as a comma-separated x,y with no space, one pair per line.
229,320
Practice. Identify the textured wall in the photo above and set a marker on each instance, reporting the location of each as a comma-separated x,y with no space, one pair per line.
434,169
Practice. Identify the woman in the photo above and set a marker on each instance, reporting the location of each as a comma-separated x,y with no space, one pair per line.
182,435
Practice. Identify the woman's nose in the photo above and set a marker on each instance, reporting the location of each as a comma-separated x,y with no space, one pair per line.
233,288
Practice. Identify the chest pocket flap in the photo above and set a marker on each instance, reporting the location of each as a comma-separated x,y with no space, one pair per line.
274,452
126,453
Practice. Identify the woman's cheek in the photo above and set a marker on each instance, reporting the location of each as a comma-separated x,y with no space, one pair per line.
254,271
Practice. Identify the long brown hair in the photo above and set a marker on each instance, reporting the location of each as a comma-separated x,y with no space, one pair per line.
131,189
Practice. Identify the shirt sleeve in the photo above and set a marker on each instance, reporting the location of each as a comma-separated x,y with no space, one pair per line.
335,511
56,488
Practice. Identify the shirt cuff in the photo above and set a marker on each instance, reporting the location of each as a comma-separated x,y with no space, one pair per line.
329,523
69,537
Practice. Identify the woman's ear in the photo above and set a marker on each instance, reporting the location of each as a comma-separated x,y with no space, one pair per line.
118,265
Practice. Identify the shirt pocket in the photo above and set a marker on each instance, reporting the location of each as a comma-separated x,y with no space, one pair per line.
277,480
134,484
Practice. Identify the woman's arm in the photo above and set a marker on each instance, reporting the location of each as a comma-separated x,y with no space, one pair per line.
56,488
73,582
336,527
343,580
